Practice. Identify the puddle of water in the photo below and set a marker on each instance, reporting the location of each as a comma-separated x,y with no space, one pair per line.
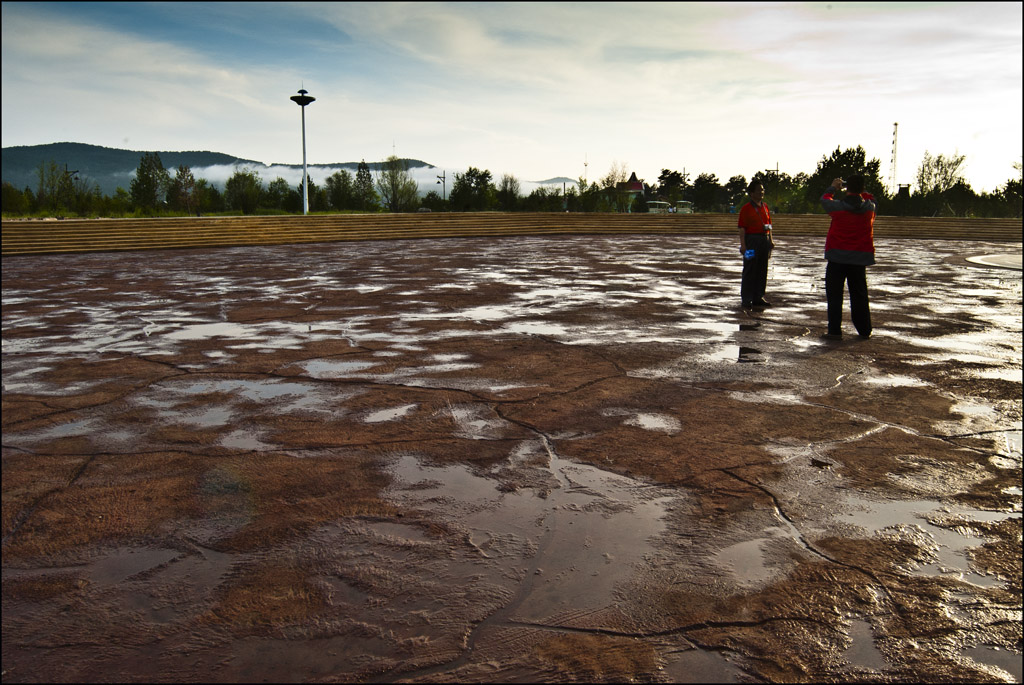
1000,658
64,430
244,440
211,330
535,328
655,422
476,422
583,537
125,563
862,652
749,561
399,532
973,409
208,418
1004,374
647,421
389,414
735,353
895,381
950,545
343,593
698,666
326,368
745,561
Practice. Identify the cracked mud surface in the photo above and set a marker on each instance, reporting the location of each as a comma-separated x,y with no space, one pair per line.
516,460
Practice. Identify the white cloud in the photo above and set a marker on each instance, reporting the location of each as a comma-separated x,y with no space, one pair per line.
533,88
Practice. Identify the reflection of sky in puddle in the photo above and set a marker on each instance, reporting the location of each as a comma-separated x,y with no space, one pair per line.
700,666
862,652
124,563
1006,659
244,440
389,414
894,381
211,330
648,421
600,525
733,353
746,560
1004,374
655,422
64,430
178,402
877,516
477,422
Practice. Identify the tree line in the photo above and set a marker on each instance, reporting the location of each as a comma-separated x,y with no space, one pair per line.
941,190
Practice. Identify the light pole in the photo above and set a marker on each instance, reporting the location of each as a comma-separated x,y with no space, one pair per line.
441,181
302,100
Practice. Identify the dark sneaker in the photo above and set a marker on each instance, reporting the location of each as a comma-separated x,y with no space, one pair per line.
832,336
762,303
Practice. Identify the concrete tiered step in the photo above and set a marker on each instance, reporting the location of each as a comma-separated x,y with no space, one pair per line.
110,235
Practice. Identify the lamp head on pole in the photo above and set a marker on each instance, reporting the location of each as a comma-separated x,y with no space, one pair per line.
302,99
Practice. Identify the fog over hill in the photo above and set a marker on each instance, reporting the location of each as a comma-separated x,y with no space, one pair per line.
112,168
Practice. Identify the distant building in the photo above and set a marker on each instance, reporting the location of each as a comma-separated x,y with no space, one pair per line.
630,190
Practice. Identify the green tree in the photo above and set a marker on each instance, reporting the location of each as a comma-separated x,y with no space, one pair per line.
1010,195
316,195
433,201
87,197
472,191
150,184
736,192
209,199
365,195
340,190
840,164
544,199
398,190
242,191
55,191
15,202
936,175
785,193
181,193
617,174
119,204
508,193
707,193
672,185
275,194
941,187
589,197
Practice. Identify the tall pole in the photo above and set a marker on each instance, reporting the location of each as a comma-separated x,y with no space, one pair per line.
892,168
302,100
305,174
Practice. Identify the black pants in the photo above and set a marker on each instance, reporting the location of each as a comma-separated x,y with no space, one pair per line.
755,269
855,277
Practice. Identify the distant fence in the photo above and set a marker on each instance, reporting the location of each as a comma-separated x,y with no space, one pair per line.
25,237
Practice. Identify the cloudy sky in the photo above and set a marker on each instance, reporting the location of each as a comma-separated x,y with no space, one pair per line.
535,90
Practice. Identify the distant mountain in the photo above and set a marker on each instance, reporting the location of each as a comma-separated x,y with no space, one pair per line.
556,180
112,168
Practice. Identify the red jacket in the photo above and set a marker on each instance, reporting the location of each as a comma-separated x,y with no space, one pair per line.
851,237
755,220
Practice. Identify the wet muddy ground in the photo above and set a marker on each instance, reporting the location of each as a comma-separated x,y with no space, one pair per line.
515,460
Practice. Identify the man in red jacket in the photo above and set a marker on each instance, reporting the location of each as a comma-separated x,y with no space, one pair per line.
849,249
